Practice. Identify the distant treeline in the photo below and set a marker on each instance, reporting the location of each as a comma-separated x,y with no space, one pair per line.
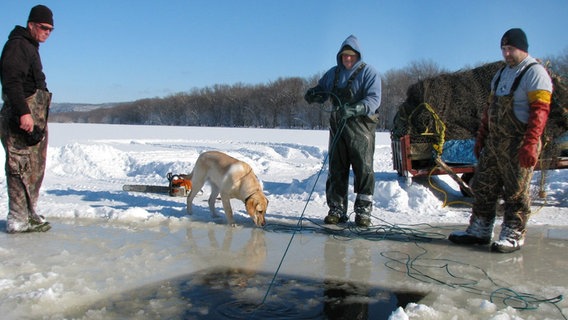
277,104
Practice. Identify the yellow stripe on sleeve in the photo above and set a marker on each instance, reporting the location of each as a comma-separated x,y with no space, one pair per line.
540,95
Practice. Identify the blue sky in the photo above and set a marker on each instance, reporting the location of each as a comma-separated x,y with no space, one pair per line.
123,50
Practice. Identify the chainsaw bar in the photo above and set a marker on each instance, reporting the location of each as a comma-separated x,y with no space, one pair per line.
146,188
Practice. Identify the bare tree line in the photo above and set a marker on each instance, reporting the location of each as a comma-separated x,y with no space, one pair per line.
277,104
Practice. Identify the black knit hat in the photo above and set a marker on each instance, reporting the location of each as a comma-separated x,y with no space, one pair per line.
41,14
516,38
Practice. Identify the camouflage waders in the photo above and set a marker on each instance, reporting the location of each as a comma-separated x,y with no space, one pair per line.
25,164
499,173
354,146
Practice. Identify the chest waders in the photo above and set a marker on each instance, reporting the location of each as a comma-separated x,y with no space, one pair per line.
351,144
498,172
25,163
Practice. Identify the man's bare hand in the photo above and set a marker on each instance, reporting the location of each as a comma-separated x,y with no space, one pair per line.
27,123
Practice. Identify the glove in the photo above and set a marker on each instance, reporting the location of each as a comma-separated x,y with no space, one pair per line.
528,155
312,96
538,114
481,135
349,111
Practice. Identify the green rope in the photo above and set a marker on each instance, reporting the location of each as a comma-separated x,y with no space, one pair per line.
403,262
415,268
439,127
334,142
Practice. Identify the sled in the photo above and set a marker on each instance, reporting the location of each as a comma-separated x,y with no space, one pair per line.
415,159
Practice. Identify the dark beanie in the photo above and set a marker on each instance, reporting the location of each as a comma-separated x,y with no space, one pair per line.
516,38
41,14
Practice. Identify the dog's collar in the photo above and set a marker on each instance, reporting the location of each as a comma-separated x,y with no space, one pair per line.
250,195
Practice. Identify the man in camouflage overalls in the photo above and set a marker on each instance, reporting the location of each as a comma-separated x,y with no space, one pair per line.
23,121
507,146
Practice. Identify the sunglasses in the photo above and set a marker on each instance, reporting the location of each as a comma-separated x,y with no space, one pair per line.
45,28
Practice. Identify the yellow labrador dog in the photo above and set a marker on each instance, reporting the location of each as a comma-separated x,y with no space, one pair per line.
231,178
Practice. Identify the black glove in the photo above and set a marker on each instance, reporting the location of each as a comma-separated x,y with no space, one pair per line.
313,96
29,138
34,137
349,111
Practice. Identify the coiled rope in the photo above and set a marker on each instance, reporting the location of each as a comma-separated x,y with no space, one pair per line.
405,233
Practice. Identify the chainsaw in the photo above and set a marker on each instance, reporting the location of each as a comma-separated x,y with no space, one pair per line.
178,186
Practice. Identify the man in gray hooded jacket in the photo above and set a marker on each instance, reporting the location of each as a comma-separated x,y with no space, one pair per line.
354,88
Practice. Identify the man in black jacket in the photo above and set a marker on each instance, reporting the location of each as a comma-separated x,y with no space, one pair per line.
23,120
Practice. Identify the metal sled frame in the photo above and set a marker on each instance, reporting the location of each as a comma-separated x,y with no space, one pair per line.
403,162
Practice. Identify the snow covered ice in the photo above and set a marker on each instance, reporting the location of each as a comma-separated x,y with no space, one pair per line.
113,254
